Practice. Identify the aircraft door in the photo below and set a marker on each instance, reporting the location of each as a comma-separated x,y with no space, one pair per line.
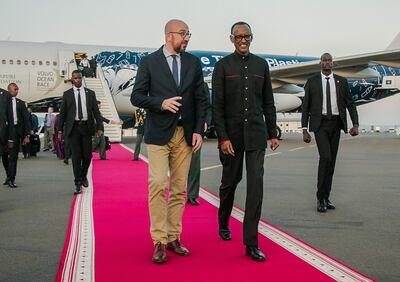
67,63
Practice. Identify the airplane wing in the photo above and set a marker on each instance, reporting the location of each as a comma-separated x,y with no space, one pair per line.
356,66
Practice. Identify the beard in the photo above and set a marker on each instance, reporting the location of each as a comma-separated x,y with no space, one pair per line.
179,48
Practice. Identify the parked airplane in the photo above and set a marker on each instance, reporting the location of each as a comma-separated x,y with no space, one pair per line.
42,71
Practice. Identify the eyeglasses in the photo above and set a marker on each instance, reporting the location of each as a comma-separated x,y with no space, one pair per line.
239,38
183,34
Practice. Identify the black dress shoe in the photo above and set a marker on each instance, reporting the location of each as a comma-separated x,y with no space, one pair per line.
11,184
193,201
85,183
66,161
255,253
321,206
6,181
329,205
225,234
78,189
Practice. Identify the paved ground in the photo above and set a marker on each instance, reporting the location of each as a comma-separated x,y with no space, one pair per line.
362,232
34,218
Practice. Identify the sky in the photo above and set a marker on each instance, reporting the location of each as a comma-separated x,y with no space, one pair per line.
303,27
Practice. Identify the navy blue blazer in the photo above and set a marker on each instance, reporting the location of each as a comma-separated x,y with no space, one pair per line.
155,83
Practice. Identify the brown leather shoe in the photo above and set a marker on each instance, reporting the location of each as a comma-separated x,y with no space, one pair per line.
178,248
160,253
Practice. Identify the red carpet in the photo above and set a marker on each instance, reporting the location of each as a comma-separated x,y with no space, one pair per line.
121,247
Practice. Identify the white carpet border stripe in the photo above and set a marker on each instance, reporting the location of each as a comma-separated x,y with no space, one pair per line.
79,264
70,254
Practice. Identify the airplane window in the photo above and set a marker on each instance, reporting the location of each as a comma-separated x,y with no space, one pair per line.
18,62
33,63
47,63
11,62
40,63
54,63
3,61
26,62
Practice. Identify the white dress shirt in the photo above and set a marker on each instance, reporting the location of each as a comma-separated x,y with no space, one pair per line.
14,107
335,109
83,101
85,63
170,59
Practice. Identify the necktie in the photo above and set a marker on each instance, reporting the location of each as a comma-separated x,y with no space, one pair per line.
328,99
14,105
175,70
80,112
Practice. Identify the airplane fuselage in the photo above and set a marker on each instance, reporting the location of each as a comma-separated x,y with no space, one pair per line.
39,70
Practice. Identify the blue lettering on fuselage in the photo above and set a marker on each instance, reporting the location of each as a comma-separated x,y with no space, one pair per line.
209,59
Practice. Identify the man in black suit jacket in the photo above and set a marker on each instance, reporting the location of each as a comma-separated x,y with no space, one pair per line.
6,117
21,131
327,96
244,117
169,84
79,119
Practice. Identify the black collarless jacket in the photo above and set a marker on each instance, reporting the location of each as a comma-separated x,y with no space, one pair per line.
68,112
154,83
243,102
312,103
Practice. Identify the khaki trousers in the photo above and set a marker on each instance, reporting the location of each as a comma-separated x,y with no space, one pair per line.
166,217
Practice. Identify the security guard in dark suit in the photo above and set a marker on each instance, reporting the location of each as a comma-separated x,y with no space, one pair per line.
82,119
326,98
6,117
21,130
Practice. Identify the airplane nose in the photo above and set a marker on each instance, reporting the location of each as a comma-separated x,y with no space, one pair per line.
286,102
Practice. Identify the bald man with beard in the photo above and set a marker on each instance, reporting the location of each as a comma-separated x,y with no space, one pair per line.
169,84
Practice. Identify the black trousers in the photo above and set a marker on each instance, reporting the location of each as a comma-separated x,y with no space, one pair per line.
10,158
327,139
67,149
139,139
80,144
231,176
193,182
26,149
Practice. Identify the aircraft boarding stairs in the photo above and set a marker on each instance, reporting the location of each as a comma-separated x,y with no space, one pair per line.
108,109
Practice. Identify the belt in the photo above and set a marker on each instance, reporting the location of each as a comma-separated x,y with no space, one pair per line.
81,122
334,117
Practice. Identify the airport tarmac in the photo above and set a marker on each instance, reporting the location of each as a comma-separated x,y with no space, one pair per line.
361,233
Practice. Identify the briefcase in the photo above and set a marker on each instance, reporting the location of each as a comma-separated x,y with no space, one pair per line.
34,140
